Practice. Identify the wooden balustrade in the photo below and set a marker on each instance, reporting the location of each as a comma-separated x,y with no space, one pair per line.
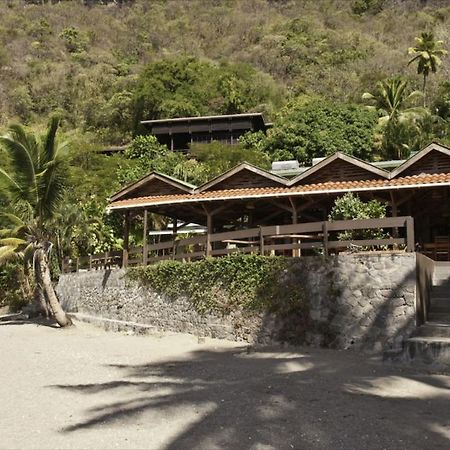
274,239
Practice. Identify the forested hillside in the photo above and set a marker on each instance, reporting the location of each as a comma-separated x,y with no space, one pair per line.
105,64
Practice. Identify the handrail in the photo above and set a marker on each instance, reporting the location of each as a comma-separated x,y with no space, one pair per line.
263,239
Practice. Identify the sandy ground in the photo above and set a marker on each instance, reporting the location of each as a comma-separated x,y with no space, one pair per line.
84,388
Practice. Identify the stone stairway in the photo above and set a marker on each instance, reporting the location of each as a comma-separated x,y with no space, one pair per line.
430,344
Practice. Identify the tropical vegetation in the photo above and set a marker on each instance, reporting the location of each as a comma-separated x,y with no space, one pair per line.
331,75
36,179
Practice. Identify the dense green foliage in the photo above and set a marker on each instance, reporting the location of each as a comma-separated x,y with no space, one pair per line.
349,207
310,128
205,161
186,86
250,282
105,64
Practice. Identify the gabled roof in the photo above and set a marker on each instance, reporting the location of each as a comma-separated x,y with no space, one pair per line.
245,166
337,188
342,157
182,186
434,146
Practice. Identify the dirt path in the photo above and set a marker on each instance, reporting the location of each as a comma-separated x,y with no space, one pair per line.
85,388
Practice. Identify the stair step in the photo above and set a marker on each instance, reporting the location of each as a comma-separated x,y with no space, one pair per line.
433,329
427,350
439,317
439,299
441,282
443,291
440,310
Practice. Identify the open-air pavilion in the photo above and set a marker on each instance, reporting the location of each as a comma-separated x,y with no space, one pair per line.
247,209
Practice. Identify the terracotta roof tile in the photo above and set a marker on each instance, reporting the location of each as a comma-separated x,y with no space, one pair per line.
331,186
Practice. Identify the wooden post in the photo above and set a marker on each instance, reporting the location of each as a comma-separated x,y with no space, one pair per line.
325,238
295,252
126,239
261,242
394,214
77,266
209,224
410,234
90,262
145,239
105,260
174,236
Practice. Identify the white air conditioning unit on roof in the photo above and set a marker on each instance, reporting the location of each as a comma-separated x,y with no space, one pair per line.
285,165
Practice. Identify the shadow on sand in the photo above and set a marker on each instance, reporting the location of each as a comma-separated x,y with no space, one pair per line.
273,398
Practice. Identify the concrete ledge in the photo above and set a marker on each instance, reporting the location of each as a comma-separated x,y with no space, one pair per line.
114,324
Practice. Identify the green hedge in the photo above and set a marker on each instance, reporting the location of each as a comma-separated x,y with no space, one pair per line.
249,282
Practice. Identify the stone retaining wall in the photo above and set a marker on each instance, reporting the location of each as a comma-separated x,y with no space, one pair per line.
364,301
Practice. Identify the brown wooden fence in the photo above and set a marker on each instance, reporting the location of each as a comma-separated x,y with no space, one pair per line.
292,239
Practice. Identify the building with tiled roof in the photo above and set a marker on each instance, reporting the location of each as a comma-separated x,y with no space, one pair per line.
249,196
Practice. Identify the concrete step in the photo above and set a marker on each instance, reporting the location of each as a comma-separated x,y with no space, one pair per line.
441,291
444,282
440,299
114,324
440,310
439,317
427,350
431,351
433,329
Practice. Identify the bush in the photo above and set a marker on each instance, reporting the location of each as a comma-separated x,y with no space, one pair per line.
13,287
249,282
349,207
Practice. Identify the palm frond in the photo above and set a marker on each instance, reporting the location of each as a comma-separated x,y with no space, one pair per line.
12,218
12,242
49,146
7,254
10,181
23,166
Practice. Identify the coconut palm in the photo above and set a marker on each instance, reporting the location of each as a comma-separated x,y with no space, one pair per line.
427,53
397,113
393,102
36,182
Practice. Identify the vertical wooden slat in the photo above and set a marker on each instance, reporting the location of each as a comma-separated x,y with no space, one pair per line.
77,264
394,214
209,224
126,240
409,234
105,260
90,262
145,239
174,237
325,238
295,252
261,241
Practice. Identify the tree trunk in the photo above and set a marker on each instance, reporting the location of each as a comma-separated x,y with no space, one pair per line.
424,89
43,272
40,302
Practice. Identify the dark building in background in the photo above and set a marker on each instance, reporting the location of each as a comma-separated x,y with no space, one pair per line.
179,133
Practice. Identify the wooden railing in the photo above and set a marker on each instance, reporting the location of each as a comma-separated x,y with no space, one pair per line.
275,239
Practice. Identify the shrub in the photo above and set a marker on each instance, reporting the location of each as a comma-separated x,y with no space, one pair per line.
248,282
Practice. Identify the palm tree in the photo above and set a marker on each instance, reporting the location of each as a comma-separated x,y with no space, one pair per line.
427,54
393,102
397,113
37,182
